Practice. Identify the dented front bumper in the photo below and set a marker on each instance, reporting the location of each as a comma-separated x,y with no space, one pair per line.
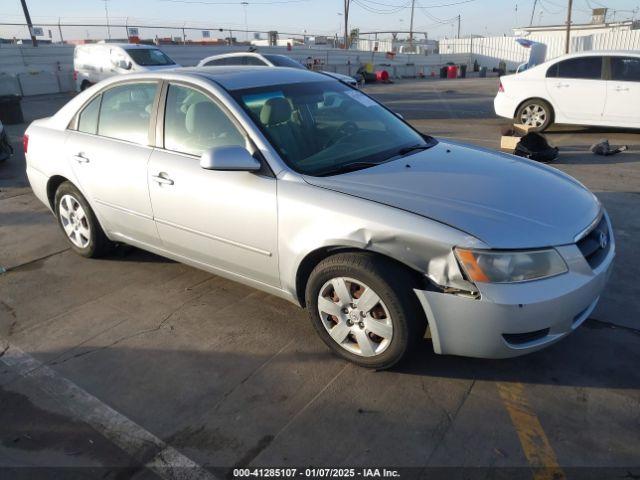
508,320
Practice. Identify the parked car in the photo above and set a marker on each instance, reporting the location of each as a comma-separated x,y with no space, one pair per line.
296,184
267,60
97,61
597,88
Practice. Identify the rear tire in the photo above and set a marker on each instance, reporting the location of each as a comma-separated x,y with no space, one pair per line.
535,113
364,308
79,223
84,85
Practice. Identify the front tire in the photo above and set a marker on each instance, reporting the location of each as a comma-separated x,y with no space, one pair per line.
535,113
79,223
363,307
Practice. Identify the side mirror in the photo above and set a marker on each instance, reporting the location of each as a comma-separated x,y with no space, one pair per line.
231,158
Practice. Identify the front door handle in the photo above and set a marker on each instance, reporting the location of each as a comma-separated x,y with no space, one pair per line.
80,158
621,89
162,179
562,85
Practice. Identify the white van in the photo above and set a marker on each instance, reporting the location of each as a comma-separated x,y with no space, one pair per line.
97,61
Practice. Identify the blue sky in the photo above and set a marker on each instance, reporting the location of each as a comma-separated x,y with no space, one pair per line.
484,17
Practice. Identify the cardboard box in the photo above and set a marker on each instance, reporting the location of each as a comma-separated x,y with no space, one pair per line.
522,129
508,142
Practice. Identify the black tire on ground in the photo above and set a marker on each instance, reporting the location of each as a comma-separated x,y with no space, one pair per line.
538,111
98,244
394,285
84,85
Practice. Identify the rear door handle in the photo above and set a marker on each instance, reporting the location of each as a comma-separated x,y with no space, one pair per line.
621,89
162,179
562,85
80,158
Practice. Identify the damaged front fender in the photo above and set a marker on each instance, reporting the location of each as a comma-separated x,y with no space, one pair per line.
312,218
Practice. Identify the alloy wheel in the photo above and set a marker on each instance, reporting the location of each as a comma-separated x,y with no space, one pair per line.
74,221
533,115
355,316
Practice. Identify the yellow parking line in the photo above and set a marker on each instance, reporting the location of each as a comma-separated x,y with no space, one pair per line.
534,441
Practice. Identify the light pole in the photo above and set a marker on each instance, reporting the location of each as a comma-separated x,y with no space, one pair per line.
106,13
246,25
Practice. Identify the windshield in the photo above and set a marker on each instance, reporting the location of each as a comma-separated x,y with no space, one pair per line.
149,57
325,128
282,61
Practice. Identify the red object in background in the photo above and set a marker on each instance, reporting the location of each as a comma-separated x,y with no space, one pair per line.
134,39
500,87
75,75
25,143
382,76
452,71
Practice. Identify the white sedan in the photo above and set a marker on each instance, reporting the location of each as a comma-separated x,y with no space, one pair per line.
267,60
600,88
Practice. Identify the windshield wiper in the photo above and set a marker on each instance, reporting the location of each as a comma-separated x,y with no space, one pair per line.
348,167
413,148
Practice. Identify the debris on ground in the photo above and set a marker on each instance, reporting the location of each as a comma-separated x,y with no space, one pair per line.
535,146
603,148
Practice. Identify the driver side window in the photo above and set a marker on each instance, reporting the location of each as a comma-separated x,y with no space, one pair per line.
193,123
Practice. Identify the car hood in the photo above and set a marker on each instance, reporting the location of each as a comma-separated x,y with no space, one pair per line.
503,200
340,76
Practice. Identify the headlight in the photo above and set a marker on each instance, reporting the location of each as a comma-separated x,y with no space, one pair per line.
494,266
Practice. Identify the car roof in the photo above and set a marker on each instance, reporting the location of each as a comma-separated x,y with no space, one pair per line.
236,54
234,77
595,53
121,45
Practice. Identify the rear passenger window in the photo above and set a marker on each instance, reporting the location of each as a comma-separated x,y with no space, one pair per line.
88,119
125,112
625,69
254,61
588,68
194,123
552,71
216,63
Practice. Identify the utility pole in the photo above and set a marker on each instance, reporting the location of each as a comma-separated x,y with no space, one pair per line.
567,44
413,6
34,40
459,18
533,12
347,4
60,31
106,13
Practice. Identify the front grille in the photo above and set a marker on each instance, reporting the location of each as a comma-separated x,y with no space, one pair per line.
596,244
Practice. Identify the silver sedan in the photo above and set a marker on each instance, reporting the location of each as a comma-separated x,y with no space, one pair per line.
296,184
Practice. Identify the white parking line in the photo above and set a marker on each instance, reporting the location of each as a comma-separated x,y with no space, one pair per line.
167,462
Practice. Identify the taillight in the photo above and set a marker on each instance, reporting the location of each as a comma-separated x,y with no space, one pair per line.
75,75
500,87
25,143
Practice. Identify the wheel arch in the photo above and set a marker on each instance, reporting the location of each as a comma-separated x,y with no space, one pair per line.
52,186
313,258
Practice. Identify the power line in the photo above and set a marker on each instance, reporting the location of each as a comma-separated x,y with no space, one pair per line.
204,2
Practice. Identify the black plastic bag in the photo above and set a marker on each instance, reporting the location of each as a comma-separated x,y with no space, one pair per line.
6,150
535,147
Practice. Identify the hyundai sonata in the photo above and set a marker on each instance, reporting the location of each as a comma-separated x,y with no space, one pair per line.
296,184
